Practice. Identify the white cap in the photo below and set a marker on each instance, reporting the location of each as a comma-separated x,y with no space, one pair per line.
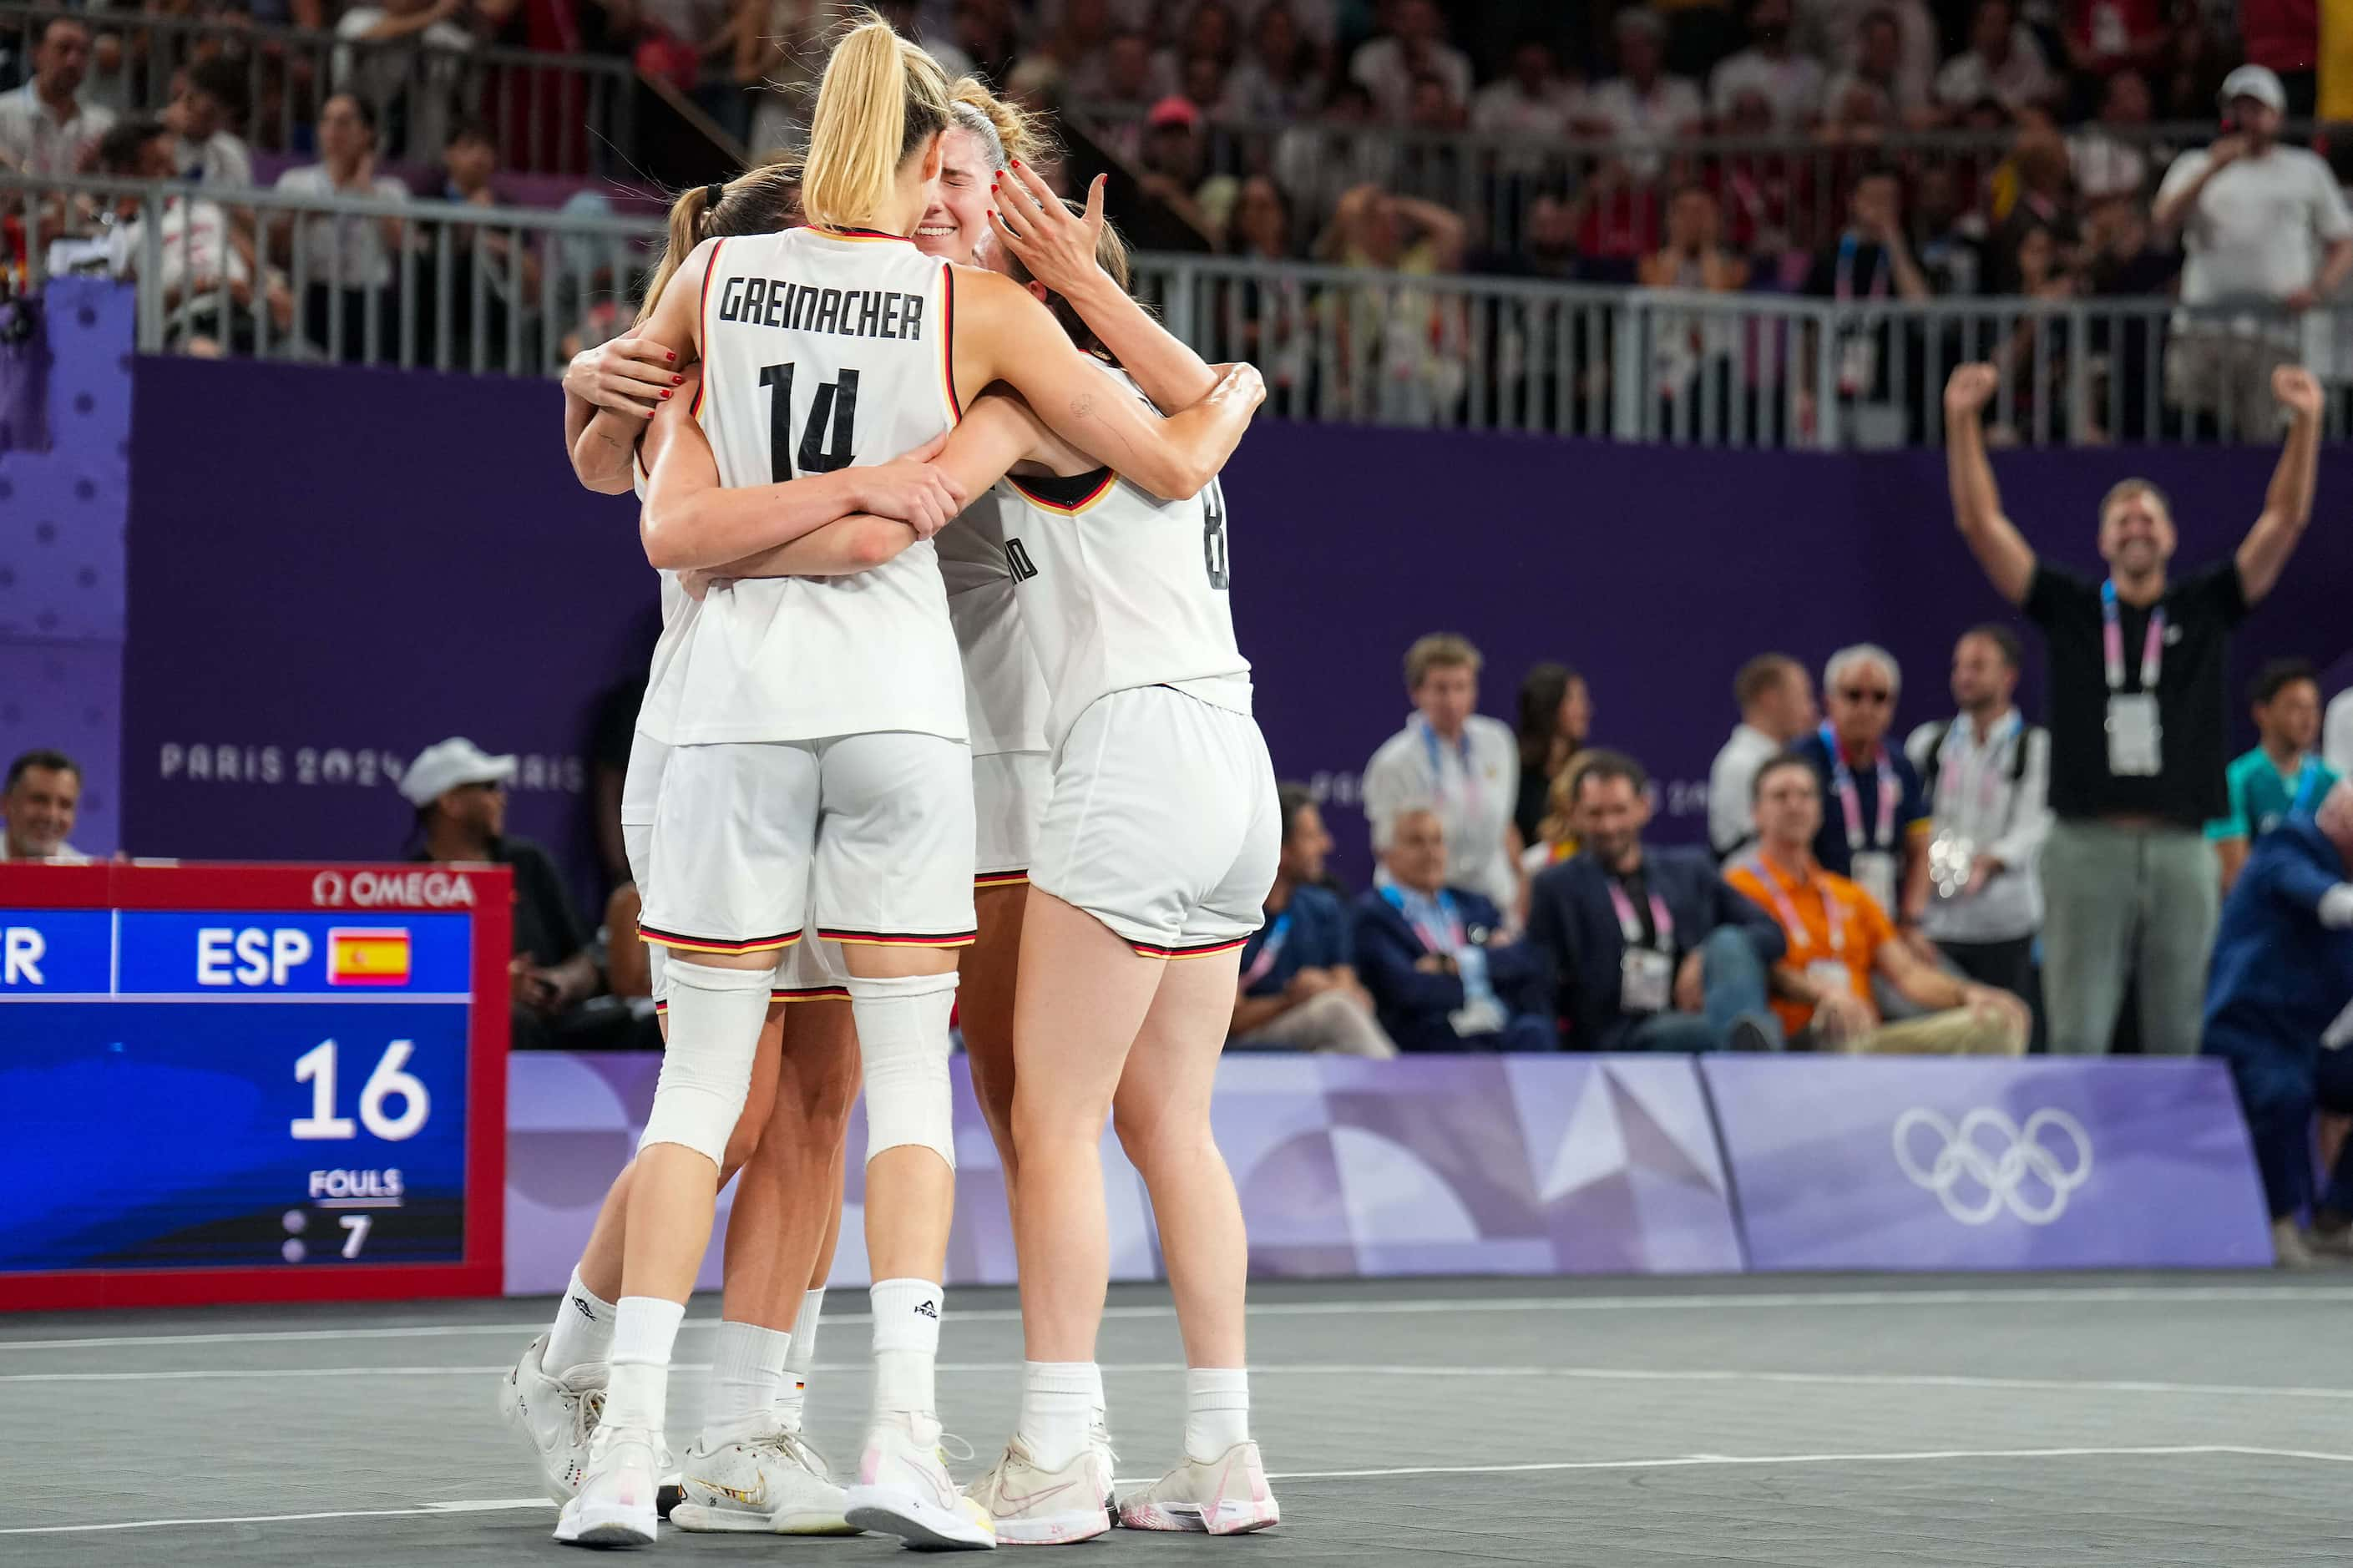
452,764
2258,82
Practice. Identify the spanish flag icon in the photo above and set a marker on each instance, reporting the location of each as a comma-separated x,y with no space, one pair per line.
370,955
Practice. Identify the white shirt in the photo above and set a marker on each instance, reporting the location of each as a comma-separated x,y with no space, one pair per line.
1472,786
38,142
1381,65
1506,109
2106,165
1005,699
1977,804
2022,79
2256,229
2337,734
1832,30
219,159
340,250
63,855
1671,104
1791,83
862,367
1731,813
194,244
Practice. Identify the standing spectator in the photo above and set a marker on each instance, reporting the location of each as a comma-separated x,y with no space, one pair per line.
2283,37
1867,264
45,128
1898,37
1555,717
1414,45
2137,723
2282,772
1946,236
1776,697
1874,827
1641,106
348,260
1401,348
1878,67
2002,62
1531,105
208,103
459,794
1696,354
2251,213
1320,164
39,803
1278,79
404,64
1435,955
1299,987
1987,774
509,270
1649,952
2105,36
1840,943
1789,82
1452,760
2110,156
1171,172
2275,1011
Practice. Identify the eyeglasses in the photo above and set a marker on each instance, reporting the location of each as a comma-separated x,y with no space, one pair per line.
1863,694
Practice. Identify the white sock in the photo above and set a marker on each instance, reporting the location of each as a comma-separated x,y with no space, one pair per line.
1056,1405
793,1394
1097,1407
582,1334
747,1372
906,1345
1217,1411
644,1329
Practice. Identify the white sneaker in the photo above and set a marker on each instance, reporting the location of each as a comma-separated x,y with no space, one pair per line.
556,1416
769,1484
1038,1507
1099,1441
903,1490
1228,1496
616,1504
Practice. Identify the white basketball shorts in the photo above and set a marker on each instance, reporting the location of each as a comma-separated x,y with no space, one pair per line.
1008,801
1162,823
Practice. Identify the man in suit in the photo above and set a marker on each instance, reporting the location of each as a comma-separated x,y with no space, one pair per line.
1298,987
1434,957
1649,950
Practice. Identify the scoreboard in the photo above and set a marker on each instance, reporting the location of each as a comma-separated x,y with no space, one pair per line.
246,1083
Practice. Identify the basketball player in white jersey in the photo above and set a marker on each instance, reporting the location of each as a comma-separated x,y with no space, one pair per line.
822,346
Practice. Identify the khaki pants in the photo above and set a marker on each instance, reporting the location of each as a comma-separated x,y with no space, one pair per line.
1956,1031
1329,1021
2127,904
2212,371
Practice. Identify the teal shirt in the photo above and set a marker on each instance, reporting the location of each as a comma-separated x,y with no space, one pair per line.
2262,796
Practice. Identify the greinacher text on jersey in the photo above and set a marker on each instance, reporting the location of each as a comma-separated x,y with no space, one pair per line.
796,307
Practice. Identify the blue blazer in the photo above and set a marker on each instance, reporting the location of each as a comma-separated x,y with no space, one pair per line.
1316,938
1412,1003
1573,927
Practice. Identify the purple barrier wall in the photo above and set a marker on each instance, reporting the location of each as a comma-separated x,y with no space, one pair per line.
1452,1165
333,567
1911,1163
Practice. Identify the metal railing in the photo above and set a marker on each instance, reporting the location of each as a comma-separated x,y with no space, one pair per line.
514,290
1776,192
553,114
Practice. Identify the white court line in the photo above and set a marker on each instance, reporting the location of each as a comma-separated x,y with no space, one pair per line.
1684,1461
1334,1369
1732,1301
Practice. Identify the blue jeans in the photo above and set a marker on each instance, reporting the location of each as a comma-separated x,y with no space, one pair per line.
1732,987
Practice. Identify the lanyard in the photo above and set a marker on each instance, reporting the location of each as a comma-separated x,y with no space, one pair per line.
1786,912
2112,641
1631,924
1462,753
1447,938
1989,776
1850,798
1842,284
1269,949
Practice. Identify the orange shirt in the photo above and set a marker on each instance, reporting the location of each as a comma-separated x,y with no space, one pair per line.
1804,908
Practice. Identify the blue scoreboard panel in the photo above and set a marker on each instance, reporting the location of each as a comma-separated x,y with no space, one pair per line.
240,1083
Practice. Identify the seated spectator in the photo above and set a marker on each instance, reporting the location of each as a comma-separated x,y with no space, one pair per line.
1278,78
348,260
45,127
208,104
1075,45
2107,36
2275,1010
1877,67
1642,106
1171,176
1531,104
1299,987
460,793
1555,838
38,804
2030,192
1776,697
1946,236
511,271
2110,157
2003,62
1841,33
1430,110
1442,975
1454,760
1548,248
1875,829
1649,950
1414,46
2282,771
1840,939
1791,83
201,253
1556,716
1320,162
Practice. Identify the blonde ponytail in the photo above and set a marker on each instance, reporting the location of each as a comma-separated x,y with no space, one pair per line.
758,201
1006,129
880,100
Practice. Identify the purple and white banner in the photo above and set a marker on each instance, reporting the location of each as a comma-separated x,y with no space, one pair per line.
1435,1166
1885,1162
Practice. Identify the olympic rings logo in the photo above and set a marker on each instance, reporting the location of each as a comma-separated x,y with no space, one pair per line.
1990,1163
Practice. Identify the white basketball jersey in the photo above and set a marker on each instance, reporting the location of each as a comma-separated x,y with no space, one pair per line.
658,714
821,350
1004,691
1122,589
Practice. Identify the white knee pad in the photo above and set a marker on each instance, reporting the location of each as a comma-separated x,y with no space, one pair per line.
715,1033
902,1041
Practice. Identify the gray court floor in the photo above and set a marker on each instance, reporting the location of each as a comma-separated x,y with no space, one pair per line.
2036,1421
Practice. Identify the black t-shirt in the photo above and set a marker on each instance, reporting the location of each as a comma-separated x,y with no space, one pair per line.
2192,708
545,929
